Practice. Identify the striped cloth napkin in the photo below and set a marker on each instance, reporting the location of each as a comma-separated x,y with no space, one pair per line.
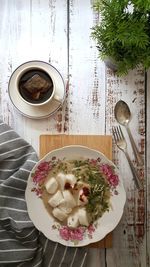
21,244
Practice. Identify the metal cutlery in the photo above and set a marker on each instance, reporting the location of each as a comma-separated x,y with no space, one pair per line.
122,145
123,117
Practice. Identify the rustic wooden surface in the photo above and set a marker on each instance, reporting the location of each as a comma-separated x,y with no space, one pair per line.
58,31
102,143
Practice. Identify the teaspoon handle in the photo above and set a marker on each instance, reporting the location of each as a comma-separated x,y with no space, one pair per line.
134,172
137,155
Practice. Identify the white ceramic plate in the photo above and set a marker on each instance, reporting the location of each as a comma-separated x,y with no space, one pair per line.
44,222
32,111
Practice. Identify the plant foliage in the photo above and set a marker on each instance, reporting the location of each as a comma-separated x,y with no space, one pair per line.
123,34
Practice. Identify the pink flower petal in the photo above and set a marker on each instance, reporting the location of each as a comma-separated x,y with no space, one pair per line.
43,166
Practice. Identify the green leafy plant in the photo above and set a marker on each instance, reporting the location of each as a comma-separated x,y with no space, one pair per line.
123,33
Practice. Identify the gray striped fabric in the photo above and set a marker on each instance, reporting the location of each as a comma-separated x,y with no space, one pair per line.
20,243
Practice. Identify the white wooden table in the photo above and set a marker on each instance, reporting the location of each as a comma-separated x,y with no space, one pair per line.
58,32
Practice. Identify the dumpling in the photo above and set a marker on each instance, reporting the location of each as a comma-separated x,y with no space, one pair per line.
65,207
56,199
70,178
64,179
51,185
59,214
81,198
83,218
68,197
61,178
73,220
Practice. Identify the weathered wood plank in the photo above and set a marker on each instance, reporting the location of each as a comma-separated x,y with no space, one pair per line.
38,29
32,30
86,85
129,242
87,73
148,168
11,32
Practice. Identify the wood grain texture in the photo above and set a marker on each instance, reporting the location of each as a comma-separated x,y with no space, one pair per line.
32,30
86,72
148,168
100,143
130,239
59,32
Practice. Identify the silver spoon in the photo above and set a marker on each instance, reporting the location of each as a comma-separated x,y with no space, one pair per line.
123,116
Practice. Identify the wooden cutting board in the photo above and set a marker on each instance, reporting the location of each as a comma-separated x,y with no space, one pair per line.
98,142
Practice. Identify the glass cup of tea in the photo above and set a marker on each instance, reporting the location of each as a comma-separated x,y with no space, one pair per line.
36,86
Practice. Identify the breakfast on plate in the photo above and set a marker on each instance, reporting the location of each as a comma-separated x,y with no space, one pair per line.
75,195
76,192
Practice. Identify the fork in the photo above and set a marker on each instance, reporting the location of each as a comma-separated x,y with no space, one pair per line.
122,145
